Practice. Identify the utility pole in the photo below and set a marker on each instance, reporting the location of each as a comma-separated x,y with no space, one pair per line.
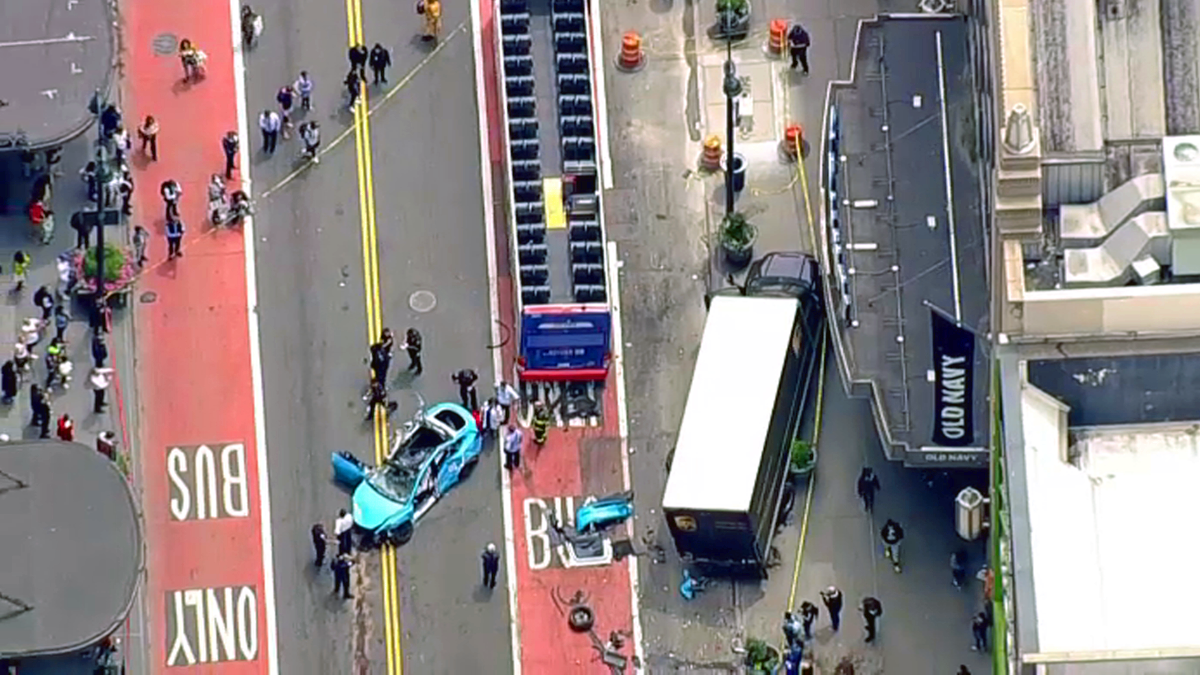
733,89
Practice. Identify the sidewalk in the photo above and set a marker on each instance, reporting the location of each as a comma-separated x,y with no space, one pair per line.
664,215
69,195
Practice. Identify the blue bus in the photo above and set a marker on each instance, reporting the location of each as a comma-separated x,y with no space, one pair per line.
565,342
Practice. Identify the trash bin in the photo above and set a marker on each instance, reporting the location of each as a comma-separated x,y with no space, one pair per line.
968,513
739,172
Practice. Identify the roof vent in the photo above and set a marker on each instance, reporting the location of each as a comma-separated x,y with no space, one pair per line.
1018,130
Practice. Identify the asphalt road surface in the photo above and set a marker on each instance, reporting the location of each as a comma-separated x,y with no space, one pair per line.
430,238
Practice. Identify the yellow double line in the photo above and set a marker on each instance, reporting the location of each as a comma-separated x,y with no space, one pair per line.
370,249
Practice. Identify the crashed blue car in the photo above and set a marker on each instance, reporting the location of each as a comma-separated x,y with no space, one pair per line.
430,454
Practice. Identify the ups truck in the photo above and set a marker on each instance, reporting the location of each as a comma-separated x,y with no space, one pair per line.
727,470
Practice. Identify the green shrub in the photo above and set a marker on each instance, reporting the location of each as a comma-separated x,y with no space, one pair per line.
114,263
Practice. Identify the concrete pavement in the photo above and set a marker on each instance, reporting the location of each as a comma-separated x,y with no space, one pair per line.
429,235
663,214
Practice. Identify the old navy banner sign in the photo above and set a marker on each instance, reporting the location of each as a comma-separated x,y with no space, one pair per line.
953,362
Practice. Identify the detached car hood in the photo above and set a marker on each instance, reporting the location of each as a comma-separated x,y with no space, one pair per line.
372,509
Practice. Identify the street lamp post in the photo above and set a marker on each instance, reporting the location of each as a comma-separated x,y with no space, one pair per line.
103,177
733,89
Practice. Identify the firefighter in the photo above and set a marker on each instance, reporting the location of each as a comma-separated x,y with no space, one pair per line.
432,11
541,423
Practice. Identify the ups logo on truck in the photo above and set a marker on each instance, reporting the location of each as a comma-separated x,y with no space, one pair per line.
685,523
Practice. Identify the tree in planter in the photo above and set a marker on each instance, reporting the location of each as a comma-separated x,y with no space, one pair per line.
733,17
114,263
737,237
802,455
760,656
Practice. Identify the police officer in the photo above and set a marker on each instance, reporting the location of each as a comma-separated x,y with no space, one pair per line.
319,540
541,423
380,60
381,356
174,237
412,345
465,379
341,575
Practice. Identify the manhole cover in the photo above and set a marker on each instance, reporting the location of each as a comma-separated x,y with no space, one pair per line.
165,44
422,301
148,297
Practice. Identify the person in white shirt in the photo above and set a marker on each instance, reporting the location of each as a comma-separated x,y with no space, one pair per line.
310,133
512,447
507,396
101,379
270,124
304,87
343,529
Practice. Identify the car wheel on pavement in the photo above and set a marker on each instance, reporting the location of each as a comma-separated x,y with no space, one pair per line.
400,535
465,472
581,619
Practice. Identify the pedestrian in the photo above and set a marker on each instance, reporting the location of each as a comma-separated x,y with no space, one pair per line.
343,529
110,119
55,355
465,379
99,350
141,242
793,658
43,299
9,381
871,610
66,428
171,192
88,175
832,599
798,42
358,61
432,11
41,217
892,534
20,269
381,355
868,485
174,231
269,123
82,224
318,542
121,144
148,132
100,379
106,444
230,143
380,60
310,133
124,185
187,56
353,88
341,575
979,631
286,98
507,396
53,159
493,417
963,670
412,345
61,321
31,331
792,629
23,358
808,615
491,565
512,447
40,405
304,87
378,397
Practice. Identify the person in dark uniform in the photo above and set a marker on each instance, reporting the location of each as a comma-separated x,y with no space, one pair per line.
378,396
358,61
9,382
871,610
808,615
868,485
491,565
798,42
341,575
41,410
381,356
175,231
380,60
465,379
979,631
832,599
319,540
412,345
541,423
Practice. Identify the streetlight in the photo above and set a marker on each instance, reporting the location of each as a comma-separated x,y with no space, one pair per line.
733,89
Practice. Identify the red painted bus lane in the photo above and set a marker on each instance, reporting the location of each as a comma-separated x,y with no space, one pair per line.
209,601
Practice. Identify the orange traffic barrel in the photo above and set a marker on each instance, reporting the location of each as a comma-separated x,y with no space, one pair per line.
710,159
775,39
793,139
632,57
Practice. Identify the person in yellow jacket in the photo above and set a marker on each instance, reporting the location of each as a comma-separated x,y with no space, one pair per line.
432,11
541,423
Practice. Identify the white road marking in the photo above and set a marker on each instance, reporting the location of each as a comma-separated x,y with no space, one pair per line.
614,296
489,228
260,422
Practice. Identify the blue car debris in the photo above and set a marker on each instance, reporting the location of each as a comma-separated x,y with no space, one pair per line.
430,454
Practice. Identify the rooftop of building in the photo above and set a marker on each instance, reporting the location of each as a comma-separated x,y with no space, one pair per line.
904,232
1109,456
53,58
72,548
